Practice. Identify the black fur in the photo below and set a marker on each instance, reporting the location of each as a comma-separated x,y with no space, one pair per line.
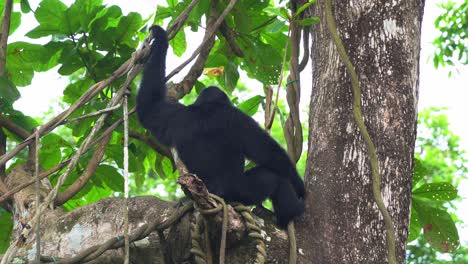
213,138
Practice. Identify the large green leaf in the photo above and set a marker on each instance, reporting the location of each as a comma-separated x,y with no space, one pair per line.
51,17
21,58
439,229
420,171
126,29
179,43
439,191
110,177
8,92
88,10
231,76
50,153
262,61
250,106
415,226
6,226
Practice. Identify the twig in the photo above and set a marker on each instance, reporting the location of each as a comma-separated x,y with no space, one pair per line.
273,112
161,149
125,165
14,128
205,40
230,37
179,90
38,197
3,145
6,17
100,112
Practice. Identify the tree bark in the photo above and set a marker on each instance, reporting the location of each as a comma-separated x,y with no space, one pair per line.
342,221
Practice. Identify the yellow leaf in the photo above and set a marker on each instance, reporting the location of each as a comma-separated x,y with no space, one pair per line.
213,72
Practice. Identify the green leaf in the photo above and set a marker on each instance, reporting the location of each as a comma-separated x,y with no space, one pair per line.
21,58
162,12
50,15
8,91
420,171
415,226
439,229
231,76
50,152
284,13
15,21
6,226
125,32
262,61
307,21
109,175
179,43
303,7
88,10
250,106
199,86
25,7
439,191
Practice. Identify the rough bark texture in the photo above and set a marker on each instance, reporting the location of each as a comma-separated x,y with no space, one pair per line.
382,39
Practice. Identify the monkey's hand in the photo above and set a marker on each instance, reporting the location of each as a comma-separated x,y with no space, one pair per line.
158,37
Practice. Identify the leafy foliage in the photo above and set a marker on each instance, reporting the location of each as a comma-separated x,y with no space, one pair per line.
439,166
453,40
86,41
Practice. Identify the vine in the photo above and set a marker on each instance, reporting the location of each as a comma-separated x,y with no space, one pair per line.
357,113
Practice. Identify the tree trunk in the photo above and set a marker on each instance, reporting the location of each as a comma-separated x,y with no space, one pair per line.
342,221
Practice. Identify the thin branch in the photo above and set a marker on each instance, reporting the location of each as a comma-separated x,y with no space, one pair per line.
6,17
273,112
100,112
161,149
14,128
205,40
3,146
230,37
126,186
38,197
179,90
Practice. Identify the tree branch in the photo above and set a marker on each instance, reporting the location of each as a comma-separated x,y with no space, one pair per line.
14,128
179,90
161,149
208,35
230,36
6,17
179,22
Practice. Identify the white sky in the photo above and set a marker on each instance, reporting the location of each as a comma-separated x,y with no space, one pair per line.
436,88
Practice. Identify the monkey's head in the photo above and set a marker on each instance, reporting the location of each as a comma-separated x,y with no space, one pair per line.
158,37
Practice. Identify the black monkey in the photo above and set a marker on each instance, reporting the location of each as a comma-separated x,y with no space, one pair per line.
213,138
